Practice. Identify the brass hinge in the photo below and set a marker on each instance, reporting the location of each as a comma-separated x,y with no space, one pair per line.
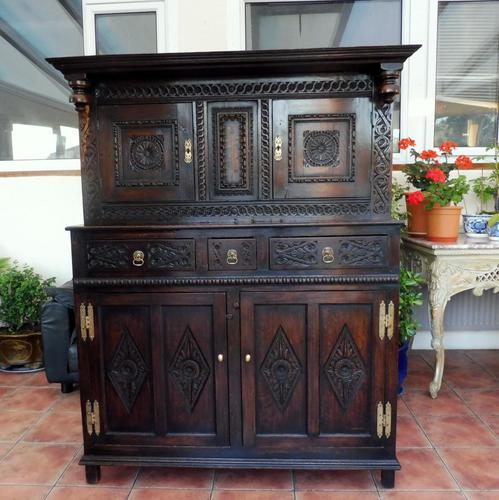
87,322
386,319
384,420
93,418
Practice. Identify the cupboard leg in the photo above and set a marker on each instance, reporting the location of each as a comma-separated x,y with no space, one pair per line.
388,478
92,474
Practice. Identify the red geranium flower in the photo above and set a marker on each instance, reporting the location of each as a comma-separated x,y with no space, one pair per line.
428,154
447,147
405,143
415,198
436,175
464,162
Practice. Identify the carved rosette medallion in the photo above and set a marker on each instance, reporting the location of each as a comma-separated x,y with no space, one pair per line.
189,369
281,369
127,370
321,148
146,152
345,369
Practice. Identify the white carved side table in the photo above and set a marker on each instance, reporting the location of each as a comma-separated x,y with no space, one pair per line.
449,269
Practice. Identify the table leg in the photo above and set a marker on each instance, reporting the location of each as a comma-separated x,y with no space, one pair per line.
436,313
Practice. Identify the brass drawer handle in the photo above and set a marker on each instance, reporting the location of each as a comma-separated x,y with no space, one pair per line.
138,258
188,151
247,358
327,255
220,358
278,148
232,256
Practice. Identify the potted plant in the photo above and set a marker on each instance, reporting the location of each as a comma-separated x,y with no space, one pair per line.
4,263
22,293
438,192
486,189
410,297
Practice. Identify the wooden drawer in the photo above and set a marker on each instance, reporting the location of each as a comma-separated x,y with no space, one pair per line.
328,252
226,254
137,256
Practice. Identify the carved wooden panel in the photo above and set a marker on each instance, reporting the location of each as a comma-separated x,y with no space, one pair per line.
175,255
107,255
233,146
359,252
189,369
231,253
345,369
127,370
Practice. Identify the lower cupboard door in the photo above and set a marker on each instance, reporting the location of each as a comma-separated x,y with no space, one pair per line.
312,368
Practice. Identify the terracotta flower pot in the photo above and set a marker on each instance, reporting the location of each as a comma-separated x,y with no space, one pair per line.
443,224
417,217
21,349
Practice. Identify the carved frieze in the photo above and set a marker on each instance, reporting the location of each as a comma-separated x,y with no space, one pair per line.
344,369
104,255
362,252
175,255
281,369
295,253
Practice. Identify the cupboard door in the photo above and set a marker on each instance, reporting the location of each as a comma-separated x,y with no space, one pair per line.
162,382
315,370
146,152
324,148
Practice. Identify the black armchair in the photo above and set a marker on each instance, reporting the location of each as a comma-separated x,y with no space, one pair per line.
59,337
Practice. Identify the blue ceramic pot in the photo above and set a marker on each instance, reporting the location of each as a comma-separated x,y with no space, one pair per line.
493,232
475,226
403,358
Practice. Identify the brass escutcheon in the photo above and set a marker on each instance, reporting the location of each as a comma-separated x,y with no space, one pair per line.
188,151
327,255
278,148
232,256
138,258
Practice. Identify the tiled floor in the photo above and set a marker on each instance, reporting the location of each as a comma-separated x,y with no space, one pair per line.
448,447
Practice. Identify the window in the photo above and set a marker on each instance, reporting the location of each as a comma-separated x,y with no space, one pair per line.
467,88
36,119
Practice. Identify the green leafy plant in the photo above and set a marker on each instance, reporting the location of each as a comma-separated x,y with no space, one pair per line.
493,220
4,263
398,192
22,292
486,188
445,193
410,297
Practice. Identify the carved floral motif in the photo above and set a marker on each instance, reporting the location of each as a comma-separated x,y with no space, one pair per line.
146,152
321,148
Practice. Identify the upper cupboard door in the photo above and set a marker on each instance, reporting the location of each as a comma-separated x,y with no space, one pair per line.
146,152
322,148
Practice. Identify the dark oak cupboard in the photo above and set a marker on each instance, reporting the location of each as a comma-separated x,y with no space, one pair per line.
237,274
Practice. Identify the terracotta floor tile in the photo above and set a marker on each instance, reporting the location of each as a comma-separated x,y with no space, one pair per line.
18,492
483,402
116,476
421,470
474,377
455,358
5,391
338,495
482,495
35,464
39,379
455,431
484,357
4,449
251,495
175,478
249,479
68,402
427,495
333,480
493,422
473,468
30,398
402,410
87,493
409,435
57,427
447,403
163,494
15,423
418,363
14,378
420,380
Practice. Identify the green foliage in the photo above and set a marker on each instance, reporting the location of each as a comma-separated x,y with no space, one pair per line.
415,172
4,263
398,192
487,187
22,292
493,220
410,297
445,193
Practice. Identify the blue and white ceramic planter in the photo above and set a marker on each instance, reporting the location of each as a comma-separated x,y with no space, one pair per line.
475,226
493,232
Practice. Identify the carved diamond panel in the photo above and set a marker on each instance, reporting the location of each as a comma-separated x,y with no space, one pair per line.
189,369
281,369
127,370
345,369
295,253
107,256
361,252
171,254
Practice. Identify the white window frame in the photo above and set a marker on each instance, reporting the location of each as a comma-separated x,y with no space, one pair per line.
418,79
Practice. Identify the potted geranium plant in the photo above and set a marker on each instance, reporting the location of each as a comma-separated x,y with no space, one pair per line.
410,297
22,292
438,192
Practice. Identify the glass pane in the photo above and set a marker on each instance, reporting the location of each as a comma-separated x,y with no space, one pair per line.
290,25
36,119
126,33
467,73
